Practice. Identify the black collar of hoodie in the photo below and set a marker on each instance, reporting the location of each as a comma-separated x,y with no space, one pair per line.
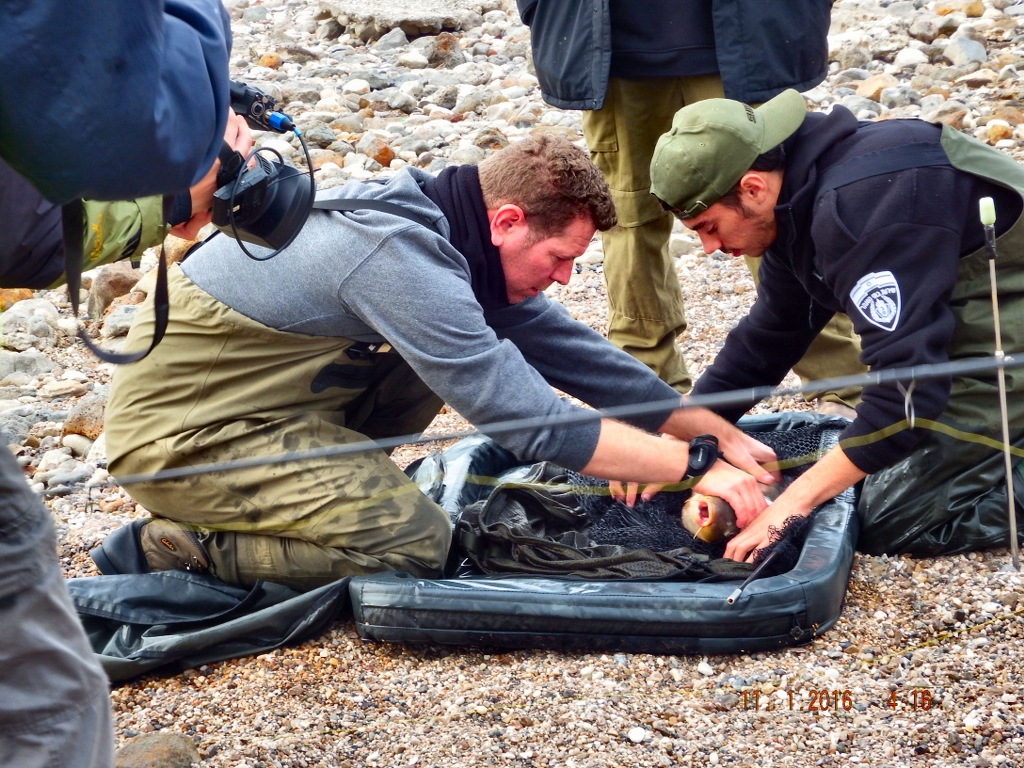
818,135
456,191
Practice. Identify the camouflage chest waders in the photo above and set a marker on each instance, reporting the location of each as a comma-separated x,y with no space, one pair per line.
949,496
222,386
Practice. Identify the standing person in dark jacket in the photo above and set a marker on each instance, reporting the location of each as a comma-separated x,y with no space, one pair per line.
879,220
631,70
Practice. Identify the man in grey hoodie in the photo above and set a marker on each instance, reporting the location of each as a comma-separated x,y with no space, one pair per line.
364,327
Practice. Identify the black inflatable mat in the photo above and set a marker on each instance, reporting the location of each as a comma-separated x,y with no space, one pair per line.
636,616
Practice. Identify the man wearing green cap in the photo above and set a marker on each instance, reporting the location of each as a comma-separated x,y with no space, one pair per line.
629,71
878,220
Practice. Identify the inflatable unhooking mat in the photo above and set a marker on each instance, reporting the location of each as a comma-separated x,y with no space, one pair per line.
662,615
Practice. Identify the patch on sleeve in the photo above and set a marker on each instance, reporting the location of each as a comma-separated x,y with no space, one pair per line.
877,296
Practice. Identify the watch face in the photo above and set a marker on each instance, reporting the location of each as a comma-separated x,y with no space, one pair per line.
700,457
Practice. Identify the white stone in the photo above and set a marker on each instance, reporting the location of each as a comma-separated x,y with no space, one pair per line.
119,321
636,735
593,255
282,146
817,94
1005,144
55,389
53,459
909,58
413,60
355,160
705,669
79,444
98,451
964,50
356,86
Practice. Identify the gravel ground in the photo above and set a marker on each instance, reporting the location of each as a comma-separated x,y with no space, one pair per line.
924,666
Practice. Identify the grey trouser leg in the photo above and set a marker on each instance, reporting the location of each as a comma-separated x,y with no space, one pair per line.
54,705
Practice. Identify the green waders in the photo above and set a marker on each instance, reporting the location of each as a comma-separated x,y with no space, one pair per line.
645,305
221,386
949,496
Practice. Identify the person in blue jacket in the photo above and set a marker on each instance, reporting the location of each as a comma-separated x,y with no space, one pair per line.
107,100
113,99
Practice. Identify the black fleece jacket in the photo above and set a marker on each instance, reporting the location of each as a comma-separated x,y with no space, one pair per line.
910,227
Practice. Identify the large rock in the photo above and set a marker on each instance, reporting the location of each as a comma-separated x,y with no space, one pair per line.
29,362
119,321
445,52
157,750
376,148
30,323
963,50
394,39
899,96
320,135
468,155
872,87
113,280
951,113
491,138
852,56
924,29
909,58
373,18
10,296
86,418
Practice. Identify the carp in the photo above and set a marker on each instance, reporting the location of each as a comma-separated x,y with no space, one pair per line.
711,519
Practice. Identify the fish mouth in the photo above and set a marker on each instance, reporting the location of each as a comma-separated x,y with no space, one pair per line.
703,514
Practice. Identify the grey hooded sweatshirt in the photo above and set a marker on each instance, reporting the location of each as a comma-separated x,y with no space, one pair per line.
373,277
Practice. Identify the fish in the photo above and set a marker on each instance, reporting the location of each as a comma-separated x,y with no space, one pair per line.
711,519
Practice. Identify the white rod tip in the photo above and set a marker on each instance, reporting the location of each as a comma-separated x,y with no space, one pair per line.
987,209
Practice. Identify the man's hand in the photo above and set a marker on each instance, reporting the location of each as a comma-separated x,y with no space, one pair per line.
756,534
736,487
833,474
750,455
739,449
239,138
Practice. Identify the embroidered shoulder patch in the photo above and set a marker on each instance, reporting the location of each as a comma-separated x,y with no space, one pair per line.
877,296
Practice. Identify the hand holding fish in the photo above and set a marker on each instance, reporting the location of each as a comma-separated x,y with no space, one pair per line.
831,475
739,449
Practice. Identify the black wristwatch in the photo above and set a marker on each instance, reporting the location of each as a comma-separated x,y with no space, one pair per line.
703,454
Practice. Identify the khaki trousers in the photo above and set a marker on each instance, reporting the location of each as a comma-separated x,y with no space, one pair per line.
645,304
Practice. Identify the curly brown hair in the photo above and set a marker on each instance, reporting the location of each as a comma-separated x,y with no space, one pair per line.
552,180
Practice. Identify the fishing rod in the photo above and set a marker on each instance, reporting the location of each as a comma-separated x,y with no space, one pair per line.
987,210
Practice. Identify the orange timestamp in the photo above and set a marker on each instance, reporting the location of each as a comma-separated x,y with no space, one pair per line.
823,700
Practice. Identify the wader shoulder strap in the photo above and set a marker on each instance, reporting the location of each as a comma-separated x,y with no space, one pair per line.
881,162
356,204
72,220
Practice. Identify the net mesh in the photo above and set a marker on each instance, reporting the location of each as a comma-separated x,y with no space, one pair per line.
656,524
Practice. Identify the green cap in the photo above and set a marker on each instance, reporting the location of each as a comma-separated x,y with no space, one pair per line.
713,143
